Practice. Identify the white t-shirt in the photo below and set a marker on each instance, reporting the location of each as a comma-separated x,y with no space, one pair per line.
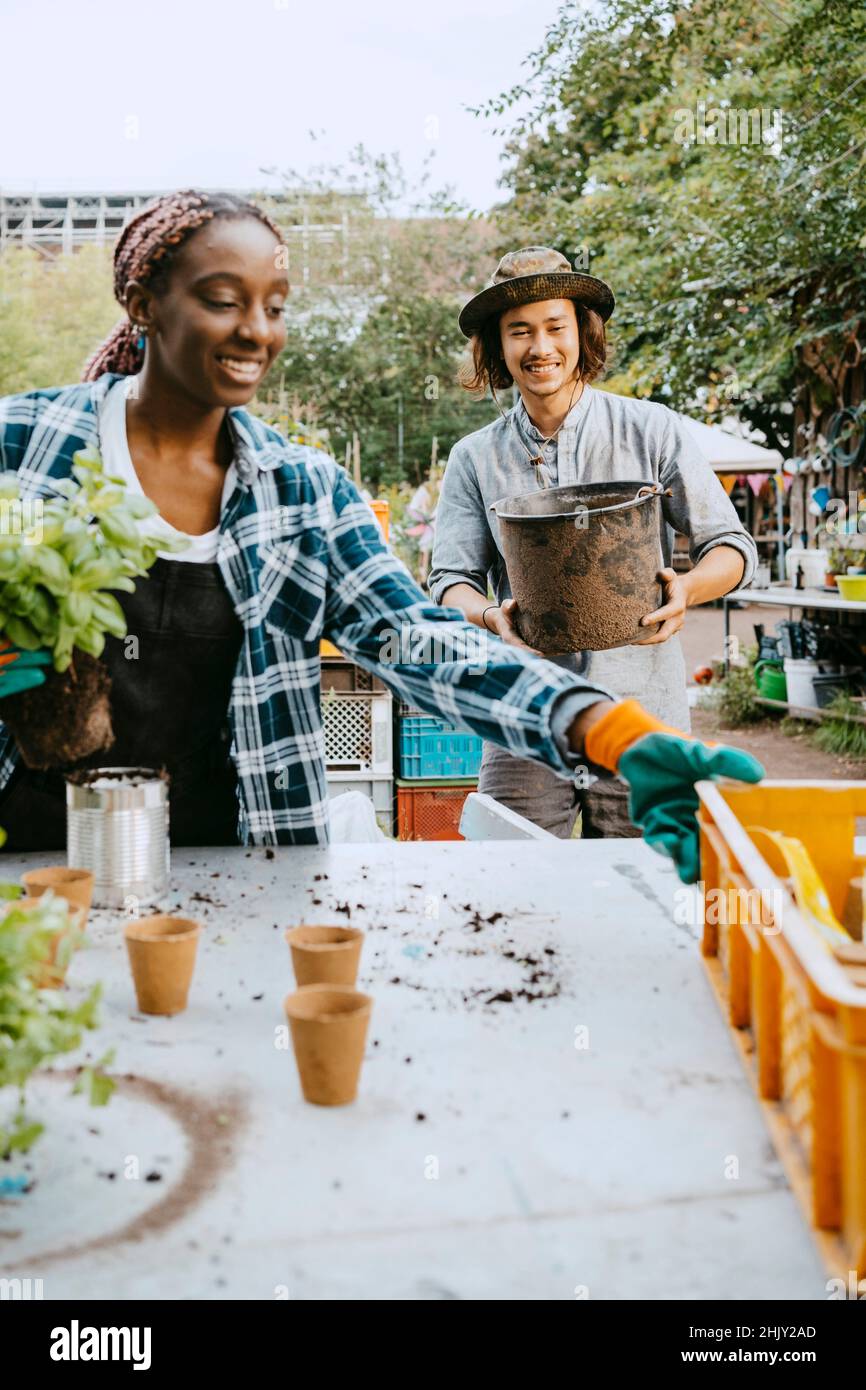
118,460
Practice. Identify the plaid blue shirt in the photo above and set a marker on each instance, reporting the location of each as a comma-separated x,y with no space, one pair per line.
303,558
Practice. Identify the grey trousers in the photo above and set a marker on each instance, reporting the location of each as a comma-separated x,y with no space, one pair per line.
535,791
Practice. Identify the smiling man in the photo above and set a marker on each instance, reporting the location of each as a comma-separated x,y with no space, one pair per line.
540,326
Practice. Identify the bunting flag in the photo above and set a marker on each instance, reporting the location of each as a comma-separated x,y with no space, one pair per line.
728,481
756,481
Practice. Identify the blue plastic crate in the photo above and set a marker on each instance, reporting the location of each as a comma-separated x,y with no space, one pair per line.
431,747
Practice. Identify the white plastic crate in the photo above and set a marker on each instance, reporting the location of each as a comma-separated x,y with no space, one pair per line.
358,734
379,789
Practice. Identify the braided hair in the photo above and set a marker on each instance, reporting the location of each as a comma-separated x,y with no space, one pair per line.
144,252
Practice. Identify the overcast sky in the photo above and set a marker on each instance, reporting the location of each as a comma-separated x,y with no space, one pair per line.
154,94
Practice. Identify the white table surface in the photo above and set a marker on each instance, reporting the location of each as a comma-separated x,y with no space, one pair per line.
560,1168
786,596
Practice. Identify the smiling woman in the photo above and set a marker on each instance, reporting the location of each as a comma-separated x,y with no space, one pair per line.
202,280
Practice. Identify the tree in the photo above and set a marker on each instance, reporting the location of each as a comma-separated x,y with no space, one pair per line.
707,160
53,313
379,271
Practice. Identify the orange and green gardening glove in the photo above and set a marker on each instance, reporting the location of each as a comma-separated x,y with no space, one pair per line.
19,670
661,766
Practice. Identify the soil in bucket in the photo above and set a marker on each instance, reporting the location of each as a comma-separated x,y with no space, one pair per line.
582,563
329,1028
64,720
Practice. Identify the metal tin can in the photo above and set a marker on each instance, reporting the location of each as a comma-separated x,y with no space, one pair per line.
117,826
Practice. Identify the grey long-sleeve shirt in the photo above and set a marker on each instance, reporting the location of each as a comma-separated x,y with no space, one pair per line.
604,438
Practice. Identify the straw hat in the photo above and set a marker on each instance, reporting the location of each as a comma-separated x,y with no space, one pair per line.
529,275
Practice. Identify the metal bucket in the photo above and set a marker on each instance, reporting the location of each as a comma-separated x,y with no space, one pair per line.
117,826
582,563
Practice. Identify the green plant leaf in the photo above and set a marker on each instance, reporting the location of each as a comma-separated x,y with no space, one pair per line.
88,458
120,528
140,507
52,569
19,631
109,614
56,595
91,640
11,562
76,609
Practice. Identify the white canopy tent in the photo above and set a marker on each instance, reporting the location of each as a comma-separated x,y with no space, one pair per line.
728,453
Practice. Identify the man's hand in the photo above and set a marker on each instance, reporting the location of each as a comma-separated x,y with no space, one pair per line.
502,621
672,614
719,571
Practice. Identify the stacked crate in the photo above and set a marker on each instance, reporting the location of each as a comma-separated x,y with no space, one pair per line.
357,715
438,768
793,994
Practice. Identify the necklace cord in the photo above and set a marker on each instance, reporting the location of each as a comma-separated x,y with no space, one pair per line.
535,459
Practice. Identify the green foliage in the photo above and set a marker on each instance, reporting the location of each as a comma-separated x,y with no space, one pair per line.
36,1024
735,696
276,413
60,559
737,262
53,313
401,362
844,551
840,734
373,337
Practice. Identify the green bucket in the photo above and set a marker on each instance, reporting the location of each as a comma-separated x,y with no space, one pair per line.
770,680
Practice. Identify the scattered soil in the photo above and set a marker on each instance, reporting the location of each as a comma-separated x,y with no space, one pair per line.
66,719
211,1127
130,777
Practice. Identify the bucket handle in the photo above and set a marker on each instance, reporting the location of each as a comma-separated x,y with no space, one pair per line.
643,494
653,490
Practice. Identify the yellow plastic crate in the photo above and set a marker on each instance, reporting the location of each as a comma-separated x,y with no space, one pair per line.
381,508
796,1004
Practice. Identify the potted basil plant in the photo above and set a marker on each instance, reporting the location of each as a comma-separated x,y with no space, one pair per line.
57,577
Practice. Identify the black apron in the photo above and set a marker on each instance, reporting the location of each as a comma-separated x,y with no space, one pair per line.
170,685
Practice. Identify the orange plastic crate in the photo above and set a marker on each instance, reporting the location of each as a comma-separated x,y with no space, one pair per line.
431,810
798,1007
